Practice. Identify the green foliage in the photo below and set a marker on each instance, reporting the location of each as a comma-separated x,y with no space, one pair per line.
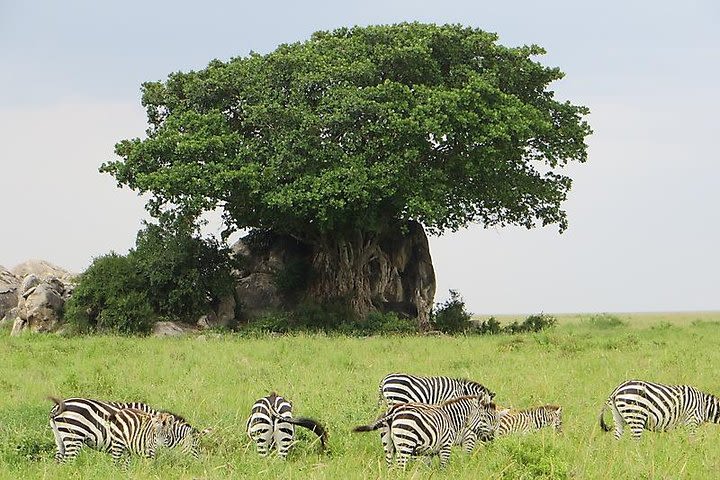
451,316
533,459
334,379
533,323
185,274
332,319
111,295
360,128
605,320
171,273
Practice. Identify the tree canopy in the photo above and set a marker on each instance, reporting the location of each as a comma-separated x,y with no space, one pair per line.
360,129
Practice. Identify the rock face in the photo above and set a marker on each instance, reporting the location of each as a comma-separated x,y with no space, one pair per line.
40,292
403,279
9,284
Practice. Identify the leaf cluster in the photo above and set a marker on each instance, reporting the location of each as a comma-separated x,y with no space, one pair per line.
171,273
358,128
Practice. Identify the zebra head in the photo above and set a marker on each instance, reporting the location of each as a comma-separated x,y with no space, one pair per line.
177,431
473,388
483,418
162,423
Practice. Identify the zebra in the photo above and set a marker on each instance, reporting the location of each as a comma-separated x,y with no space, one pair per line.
657,407
410,429
135,431
271,424
402,388
81,421
528,420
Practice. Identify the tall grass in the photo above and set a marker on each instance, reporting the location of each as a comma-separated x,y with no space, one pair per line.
213,380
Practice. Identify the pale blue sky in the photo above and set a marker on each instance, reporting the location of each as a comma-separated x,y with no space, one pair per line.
644,224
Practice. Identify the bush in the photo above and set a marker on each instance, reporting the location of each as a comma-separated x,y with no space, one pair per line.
533,323
110,295
332,318
604,321
185,274
171,273
451,316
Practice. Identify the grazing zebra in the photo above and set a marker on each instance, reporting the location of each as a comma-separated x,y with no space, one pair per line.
410,429
271,425
135,431
81,421
657,407
402,388
530,419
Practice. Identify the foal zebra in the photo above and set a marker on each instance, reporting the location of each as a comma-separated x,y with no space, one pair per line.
81,421
402,388
410,429
528,420
271,425
657,407
134,431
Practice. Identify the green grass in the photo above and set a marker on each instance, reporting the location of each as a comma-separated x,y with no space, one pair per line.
214,379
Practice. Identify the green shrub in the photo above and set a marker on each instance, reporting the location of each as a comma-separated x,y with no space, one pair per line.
489,327
604,321
185,275
172,273
451,316
533,323
110,295
333,318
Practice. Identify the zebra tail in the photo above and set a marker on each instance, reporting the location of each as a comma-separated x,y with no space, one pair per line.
373,426
603,425
312,425
59,402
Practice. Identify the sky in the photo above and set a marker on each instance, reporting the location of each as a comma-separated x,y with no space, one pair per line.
644,225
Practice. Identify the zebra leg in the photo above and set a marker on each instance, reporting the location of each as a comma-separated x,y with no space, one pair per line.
692,425
468,443
636,423
618,420
263,440
283,438
388,445
402,456
445,454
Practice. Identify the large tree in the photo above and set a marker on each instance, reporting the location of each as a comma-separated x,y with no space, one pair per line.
349,137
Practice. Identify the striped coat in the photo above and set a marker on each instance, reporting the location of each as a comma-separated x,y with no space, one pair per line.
82,421
134,431
411,429
402,388
657,407
529,420
271,425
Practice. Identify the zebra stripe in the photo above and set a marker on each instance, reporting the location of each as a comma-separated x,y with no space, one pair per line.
411,429
271,424
81,421
134,431
403,388
529,420
656,407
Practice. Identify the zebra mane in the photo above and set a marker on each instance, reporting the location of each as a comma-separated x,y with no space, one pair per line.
453,401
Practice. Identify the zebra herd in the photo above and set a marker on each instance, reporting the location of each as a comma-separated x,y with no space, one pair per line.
425,416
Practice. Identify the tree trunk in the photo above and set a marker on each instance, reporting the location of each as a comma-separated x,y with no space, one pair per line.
370,272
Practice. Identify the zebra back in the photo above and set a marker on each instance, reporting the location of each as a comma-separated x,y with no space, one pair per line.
403,388
653,406
530,419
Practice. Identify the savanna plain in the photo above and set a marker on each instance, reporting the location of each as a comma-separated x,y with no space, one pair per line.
214,379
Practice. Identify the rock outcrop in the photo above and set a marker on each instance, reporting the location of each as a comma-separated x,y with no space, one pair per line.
403,279
36,292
